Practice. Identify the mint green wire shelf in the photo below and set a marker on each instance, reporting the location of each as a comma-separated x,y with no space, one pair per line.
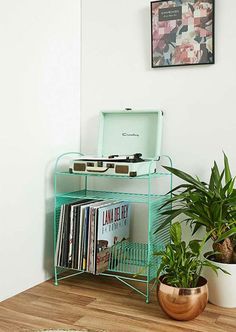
94,194
129,261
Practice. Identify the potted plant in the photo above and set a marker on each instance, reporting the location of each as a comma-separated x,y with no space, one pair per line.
182,291
211,206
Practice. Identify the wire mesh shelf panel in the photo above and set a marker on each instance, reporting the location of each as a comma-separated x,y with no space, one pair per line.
129,258
157,240
94,194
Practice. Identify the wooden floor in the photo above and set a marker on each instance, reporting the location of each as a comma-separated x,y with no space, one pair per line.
100,303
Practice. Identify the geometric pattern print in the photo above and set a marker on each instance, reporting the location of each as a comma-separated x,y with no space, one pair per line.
182,32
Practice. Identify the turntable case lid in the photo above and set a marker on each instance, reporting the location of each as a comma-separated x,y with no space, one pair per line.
129,132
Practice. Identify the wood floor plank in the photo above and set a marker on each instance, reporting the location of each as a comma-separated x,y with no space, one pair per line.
22,321
98,318
230,322
224,311
61,294
127,325
154,314
27,304
106,284
101,303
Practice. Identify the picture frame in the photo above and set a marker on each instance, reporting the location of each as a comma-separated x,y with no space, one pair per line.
182,33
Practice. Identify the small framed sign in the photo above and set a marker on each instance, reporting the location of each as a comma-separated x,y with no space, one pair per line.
182,32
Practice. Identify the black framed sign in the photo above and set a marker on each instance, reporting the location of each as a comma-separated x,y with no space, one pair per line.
182,32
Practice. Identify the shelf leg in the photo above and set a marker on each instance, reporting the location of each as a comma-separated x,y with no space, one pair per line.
147,292
55,277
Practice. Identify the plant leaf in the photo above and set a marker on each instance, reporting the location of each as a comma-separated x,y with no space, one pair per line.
195,246
176,233
186,177
228,176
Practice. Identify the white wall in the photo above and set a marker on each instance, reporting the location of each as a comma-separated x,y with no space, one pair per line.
39,103
198,101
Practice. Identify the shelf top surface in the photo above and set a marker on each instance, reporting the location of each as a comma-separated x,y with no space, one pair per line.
146,176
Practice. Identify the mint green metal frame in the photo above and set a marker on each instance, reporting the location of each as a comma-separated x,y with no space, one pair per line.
148,262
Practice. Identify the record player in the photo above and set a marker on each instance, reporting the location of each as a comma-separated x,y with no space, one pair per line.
129,144
132,165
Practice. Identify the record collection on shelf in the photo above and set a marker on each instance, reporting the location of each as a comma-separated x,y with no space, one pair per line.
87,231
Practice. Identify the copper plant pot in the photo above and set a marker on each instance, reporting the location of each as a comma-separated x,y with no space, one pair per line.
183,303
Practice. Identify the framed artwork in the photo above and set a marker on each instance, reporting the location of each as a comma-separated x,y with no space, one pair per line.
182,32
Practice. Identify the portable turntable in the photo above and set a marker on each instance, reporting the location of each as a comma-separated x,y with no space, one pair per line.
129,144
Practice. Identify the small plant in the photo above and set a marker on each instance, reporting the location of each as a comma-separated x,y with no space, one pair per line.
182,263
210,205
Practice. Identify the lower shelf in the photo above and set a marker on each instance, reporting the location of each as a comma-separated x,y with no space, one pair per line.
136,259
132,258
128,262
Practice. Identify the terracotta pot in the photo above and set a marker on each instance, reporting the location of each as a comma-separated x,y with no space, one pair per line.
183,303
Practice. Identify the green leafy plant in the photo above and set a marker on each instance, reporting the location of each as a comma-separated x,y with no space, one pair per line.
210,205
182,263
